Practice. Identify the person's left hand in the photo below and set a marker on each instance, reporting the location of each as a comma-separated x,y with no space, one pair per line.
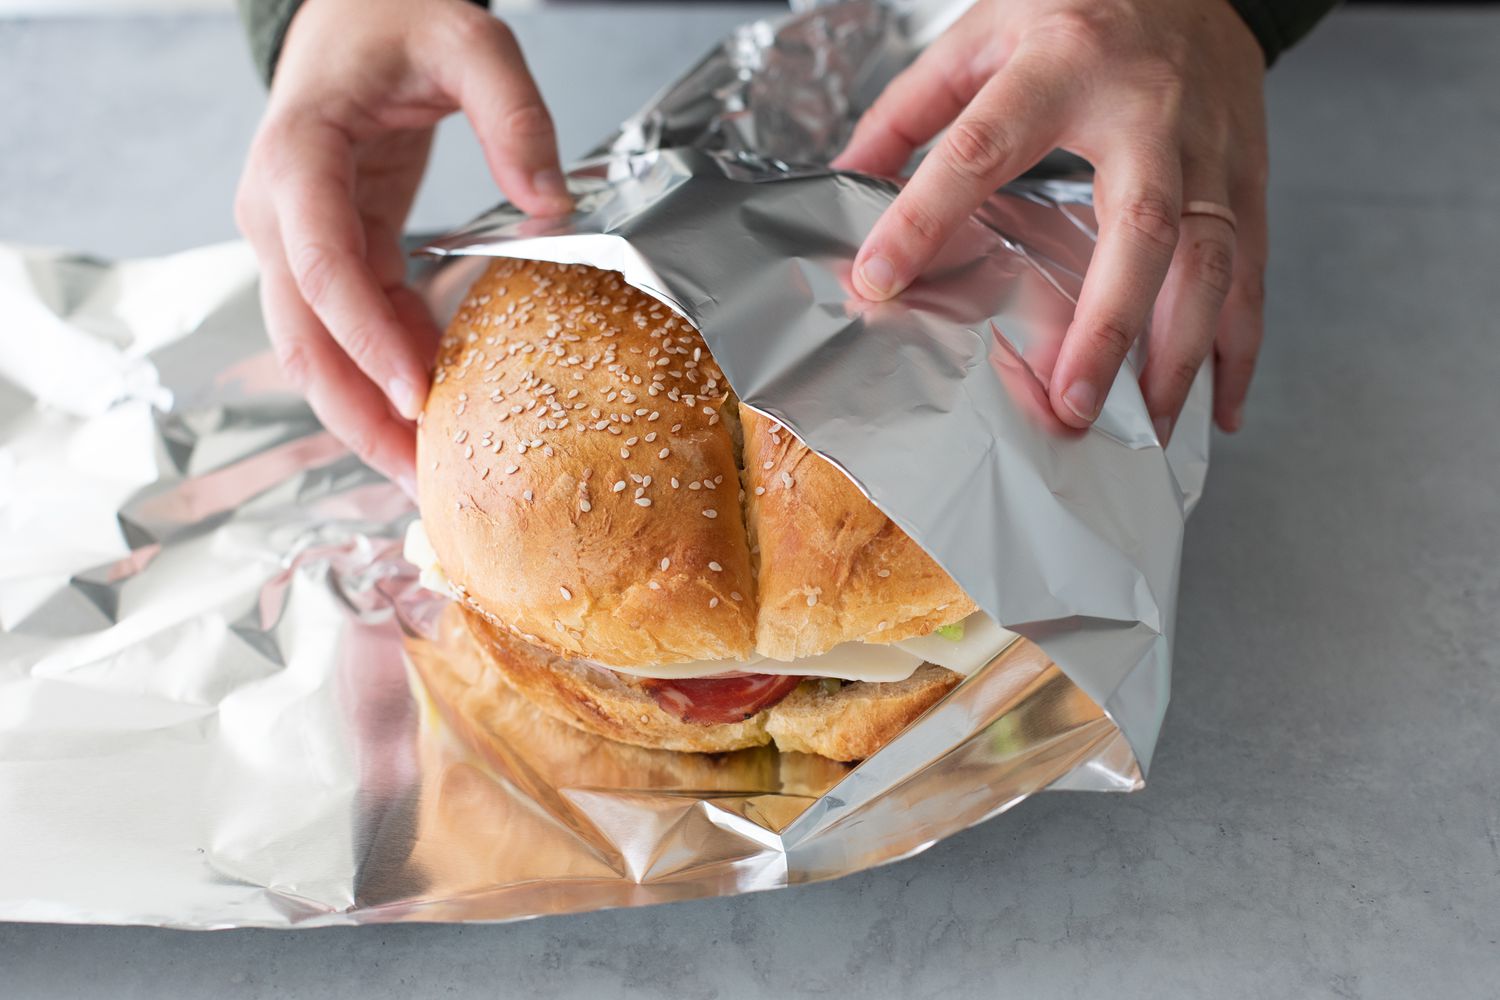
1164,98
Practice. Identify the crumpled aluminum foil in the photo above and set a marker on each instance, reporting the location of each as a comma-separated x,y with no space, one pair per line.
211,712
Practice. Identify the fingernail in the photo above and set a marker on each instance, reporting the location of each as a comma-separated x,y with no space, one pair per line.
1163,425
408,484
403,396
550,182
1237,418
878,276
1083,399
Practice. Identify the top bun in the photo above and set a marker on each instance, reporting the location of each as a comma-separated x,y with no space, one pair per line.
580,480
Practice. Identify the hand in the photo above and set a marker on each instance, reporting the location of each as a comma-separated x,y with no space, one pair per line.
1164,98
331,176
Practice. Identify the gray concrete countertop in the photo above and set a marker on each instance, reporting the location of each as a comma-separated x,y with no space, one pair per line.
1323,817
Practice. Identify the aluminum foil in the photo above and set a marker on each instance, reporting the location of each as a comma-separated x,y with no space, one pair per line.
212,659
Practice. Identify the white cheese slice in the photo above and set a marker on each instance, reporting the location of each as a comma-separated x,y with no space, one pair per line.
419,552
850,661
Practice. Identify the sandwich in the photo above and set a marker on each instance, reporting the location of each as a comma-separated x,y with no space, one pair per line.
641,556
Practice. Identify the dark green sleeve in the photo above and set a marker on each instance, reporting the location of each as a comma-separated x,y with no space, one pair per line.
1279,24
266,23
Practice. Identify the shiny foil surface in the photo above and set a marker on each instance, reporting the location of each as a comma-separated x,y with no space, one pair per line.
218,700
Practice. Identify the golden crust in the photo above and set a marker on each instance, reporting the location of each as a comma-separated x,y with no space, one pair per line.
849,724
576,480
832,567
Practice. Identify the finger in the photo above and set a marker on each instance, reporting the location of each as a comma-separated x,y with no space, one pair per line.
488,78
914,107
388,259
1187,312
1138,201
326,251
1241,324
1011,124
349,406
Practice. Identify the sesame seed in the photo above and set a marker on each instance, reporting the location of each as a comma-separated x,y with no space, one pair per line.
619,486
665,563
715,567
695,485
654,585
766,465
713,602
674,481
512,469
630,442
650,437
786,480
624,452
566,593
663,453
527,496
883,573
812,599
468,451
734,595
585,506
710,513
643,501
759,490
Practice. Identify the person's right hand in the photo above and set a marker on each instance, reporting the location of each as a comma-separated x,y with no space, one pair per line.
331,176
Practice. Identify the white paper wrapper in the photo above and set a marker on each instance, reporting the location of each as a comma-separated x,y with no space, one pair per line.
207,638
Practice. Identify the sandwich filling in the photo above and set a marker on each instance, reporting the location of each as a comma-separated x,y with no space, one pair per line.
730,690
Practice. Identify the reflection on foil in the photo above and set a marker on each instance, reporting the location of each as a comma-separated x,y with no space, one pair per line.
224,701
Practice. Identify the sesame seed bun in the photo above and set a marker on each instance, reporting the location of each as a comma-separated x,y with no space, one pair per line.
589,483
832,567
576,476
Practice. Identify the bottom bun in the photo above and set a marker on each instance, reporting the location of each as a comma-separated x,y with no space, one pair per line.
848,724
